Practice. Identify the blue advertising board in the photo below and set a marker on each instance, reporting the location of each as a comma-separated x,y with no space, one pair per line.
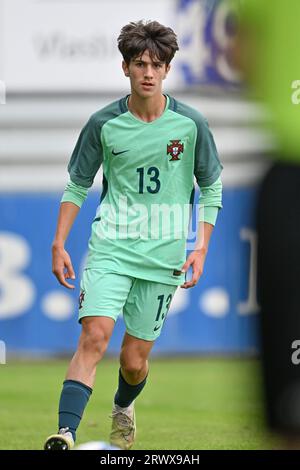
39,316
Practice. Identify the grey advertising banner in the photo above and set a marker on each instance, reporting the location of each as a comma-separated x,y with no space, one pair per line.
71,45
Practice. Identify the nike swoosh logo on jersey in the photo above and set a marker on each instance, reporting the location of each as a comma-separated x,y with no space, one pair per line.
157,328
118,153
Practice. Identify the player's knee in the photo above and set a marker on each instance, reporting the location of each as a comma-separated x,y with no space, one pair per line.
94,341
133,366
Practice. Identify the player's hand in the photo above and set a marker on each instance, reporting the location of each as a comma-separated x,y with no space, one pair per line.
62,266
196,259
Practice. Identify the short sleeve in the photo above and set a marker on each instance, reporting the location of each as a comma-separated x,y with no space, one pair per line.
87,155
207,164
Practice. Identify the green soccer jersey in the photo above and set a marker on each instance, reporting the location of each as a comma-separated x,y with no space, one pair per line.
141,224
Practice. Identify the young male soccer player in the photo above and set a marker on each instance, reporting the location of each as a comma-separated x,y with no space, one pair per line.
150,146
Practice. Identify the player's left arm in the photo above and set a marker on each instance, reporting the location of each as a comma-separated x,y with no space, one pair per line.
196,259
211,203
207,172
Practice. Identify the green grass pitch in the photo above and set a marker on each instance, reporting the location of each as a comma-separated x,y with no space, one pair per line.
188,403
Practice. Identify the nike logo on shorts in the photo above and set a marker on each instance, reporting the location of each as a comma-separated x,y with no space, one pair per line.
118,153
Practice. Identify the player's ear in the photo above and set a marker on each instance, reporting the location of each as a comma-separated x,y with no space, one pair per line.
167,70
125,68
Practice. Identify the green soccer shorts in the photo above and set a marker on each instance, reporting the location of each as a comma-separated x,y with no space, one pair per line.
144,304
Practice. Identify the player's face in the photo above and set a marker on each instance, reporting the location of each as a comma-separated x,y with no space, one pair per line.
146,75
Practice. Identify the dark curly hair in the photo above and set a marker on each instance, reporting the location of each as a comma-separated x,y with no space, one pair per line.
159,40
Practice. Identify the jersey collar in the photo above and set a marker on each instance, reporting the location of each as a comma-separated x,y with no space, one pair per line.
123,103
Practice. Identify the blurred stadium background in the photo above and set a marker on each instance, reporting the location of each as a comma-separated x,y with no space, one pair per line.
59,63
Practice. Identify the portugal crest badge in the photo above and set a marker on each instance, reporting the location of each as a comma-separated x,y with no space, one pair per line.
175,149
81,298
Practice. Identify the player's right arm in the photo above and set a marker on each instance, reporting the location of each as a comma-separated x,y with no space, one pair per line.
83,166
61,262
